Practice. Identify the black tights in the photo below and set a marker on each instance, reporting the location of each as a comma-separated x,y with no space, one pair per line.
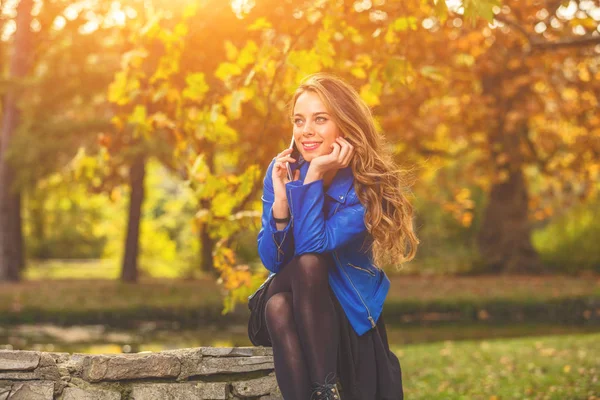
303,325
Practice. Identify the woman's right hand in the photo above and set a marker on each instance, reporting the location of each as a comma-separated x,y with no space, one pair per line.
279,174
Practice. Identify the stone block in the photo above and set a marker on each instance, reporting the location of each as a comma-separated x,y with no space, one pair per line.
75,393
5,388
46,370
191,391
216,365
246,351
189,360
18,360
130,366
255,387
74,364
32,391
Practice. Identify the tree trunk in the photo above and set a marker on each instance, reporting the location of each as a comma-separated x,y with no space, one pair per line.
206,243
505,236
35,207
18,234
11,237
137,172
206,246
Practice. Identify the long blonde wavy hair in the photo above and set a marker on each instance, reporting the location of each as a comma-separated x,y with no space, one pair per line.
379,183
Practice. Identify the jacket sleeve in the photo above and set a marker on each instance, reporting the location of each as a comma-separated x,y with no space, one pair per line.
313,233
275,247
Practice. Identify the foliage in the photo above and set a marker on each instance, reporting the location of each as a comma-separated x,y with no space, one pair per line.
204,104
569,242
62,221
467,91
168,245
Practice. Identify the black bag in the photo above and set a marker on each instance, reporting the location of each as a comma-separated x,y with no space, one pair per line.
257,328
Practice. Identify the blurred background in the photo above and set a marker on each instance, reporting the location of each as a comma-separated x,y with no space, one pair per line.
135,136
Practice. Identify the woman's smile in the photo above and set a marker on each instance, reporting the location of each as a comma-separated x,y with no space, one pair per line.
310,146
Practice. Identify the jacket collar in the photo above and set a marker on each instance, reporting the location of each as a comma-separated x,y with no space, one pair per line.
340,185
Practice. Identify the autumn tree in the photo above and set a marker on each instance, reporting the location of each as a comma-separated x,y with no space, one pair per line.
512,105
220,91
70,54
11,236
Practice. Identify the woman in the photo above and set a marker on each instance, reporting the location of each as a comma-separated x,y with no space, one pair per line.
323,235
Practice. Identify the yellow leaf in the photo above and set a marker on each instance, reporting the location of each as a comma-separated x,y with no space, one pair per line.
247,55
196,87
231,51
368,96
358,72
227,70
259,24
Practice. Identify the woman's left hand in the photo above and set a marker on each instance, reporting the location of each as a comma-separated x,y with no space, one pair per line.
338,158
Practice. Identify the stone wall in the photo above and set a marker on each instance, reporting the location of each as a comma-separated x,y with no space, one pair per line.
198,373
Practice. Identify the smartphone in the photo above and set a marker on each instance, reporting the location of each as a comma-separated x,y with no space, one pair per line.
295,154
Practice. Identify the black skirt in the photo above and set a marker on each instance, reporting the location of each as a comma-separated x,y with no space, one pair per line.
367,369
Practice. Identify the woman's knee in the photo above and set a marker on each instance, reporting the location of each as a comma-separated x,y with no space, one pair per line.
278,311
311,269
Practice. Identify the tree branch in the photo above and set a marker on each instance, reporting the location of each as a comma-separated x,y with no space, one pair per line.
545,45
566,43
278,70
515,25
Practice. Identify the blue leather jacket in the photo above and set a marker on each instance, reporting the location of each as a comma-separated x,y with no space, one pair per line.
321,222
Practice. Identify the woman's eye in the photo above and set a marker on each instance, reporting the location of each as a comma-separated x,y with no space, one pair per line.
321,119
298,122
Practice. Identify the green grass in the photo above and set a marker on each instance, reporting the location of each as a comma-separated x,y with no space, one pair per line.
91,295
554,367
74,292
71,269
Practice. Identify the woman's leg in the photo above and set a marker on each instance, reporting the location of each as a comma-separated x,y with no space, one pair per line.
290,367
306,278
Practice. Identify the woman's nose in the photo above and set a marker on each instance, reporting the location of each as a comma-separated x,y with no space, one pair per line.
308,128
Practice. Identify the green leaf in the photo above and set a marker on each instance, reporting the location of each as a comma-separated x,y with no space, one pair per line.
369,95
260,24
358,72
233,103
248,54
199,170
231,52
123,88
139,119
196,87
138,116
432,73
441,10
480,8
404,23
226,70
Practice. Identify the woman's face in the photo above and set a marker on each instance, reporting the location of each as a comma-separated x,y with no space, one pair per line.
314,128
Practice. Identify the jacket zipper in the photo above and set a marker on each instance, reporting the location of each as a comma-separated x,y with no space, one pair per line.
362,269
370,318
356,290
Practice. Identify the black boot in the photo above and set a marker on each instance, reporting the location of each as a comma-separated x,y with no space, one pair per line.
326,391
